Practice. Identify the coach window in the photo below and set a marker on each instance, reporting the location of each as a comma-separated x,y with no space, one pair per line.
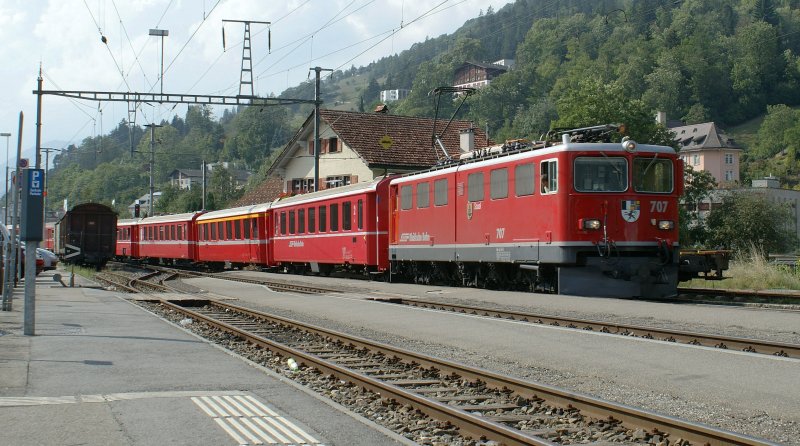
440,192
323,218
347,216
213,231
360,214
405,197
334,217
246,228
180,232
237,229
498,179
423,195
254,228
311,222
301,221
475,186
221,230
161,232
523,179
228,230
173,231
548,177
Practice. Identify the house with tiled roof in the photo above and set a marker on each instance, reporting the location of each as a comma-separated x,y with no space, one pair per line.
706,147
358,147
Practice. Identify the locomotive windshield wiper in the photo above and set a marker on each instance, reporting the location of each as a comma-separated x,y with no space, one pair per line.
644,172
613,166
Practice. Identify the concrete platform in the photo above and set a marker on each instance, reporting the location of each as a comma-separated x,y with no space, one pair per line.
101,371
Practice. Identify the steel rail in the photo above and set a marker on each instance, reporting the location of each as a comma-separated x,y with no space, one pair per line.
687,337
468,424
589,406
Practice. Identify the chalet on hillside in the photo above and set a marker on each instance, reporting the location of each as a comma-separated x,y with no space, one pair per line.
705,147
479,75
358,147
189,178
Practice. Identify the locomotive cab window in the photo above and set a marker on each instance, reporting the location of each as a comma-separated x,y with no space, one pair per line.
523,179
651,174
423,195
406,197
475,186
548,177
601,174
498,181
440,192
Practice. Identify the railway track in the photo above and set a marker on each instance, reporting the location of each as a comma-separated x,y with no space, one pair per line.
662,334
686,337
478,403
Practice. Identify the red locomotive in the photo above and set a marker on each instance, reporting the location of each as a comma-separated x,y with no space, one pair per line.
573,217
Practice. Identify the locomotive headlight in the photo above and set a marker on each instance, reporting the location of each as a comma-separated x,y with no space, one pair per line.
628,144
588,224
666,224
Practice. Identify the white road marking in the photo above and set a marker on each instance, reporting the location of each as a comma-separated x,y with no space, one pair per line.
249,421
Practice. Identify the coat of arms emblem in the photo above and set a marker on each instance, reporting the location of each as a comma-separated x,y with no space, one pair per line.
631,210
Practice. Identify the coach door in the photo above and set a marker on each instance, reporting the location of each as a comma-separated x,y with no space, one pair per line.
393,222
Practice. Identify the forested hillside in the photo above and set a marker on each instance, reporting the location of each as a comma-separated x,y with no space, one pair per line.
697,60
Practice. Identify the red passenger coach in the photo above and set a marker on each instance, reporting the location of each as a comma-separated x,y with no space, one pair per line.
49,236
237,236
581,218
127,238
168,238
344,226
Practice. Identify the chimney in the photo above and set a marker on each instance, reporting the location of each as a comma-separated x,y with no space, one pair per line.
382,108
661,118
467,140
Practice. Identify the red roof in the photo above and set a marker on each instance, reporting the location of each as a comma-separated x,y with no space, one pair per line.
411,146
266,192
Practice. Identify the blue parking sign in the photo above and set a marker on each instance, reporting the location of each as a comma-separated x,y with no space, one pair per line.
35,180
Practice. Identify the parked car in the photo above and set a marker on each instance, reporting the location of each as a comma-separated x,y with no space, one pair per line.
50,260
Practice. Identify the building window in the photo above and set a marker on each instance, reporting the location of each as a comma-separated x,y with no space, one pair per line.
696,160
302,185
337,181
728,158
333,145
728,175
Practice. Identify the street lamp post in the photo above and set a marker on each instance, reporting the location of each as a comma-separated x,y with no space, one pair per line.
5,213
161,33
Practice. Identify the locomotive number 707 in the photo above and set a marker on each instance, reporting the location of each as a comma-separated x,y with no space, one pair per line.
658,206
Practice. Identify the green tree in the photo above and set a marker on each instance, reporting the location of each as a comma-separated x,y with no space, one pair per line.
773,132
698,186
744,218
595,103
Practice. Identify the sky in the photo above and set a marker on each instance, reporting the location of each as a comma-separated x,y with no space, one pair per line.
65,38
